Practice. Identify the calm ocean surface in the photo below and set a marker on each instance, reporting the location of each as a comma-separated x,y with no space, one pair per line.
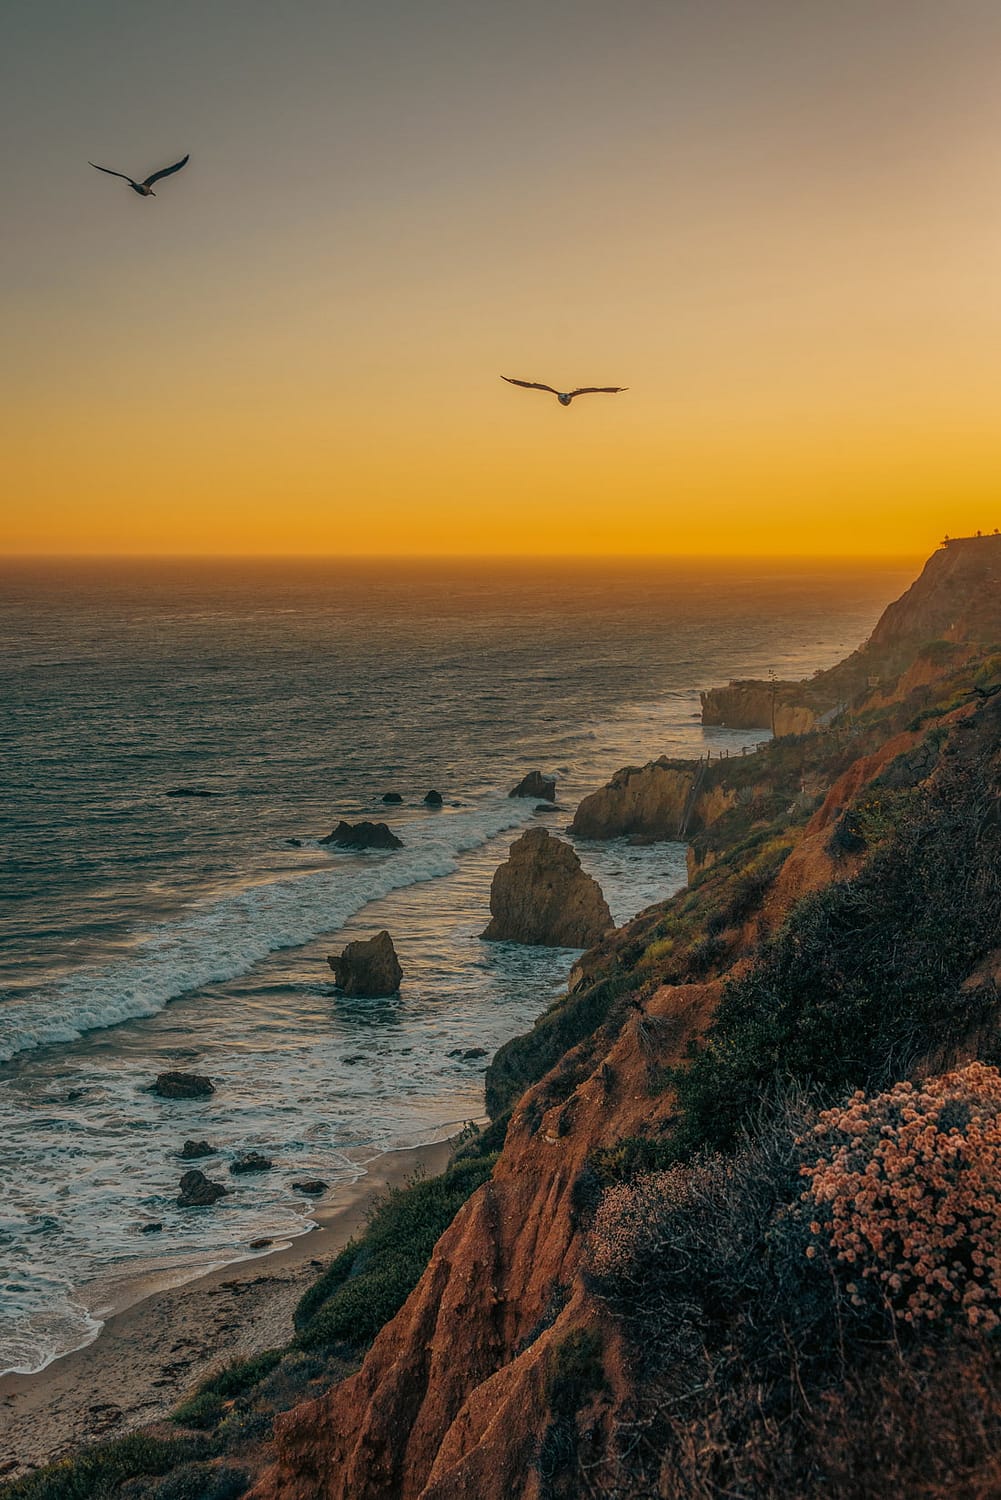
140,932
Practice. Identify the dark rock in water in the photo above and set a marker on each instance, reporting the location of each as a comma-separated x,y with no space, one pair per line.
356,1057
311,1185
252,1162
433,799
294,843
467,1054
368,968
198,1192
536,785
260,1244
392,797
190,791
183,1086
363,836
541,895
192,1150
547,807
74,1095
153,1228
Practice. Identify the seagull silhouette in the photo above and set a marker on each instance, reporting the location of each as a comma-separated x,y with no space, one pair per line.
565,397
145,188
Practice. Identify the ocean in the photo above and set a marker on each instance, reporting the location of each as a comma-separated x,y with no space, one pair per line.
141,932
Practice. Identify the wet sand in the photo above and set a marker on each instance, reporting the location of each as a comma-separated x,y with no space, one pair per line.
154,1351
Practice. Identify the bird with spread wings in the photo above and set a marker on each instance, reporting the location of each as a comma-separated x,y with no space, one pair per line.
565,397
144,188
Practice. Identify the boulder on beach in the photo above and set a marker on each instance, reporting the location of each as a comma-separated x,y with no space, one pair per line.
192,1150
363,835
393,797
183,1086
541,895
314,1186
433,799
252,1161
198,1192
535,785
368,968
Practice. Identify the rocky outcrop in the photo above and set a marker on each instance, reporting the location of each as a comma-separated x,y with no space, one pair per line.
368,968
541,895
183,1086
252,1162
648,801
364,835
542,788
434,799
198,1192
760,705
194,1150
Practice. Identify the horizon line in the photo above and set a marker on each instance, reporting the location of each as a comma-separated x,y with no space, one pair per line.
484,557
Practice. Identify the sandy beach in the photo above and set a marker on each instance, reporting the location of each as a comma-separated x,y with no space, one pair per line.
151,1353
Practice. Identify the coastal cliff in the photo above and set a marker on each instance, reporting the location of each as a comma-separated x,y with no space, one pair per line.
955,603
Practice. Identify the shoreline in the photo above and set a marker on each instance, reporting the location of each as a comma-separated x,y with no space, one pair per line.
150,1353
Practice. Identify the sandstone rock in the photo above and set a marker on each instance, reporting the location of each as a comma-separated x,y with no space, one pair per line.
433,799
393,797
183,1086
192,1150
314,1186
535,785
198,1192
363,835
370,968
252,1162
541,895
646,800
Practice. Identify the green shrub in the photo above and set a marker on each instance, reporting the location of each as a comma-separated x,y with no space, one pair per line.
371,1279
867,971
97,1473
527,1058
206,1406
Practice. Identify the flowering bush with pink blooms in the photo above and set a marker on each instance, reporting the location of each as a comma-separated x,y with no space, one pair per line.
908,1195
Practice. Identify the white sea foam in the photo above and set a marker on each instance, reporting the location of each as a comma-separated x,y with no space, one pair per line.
225,938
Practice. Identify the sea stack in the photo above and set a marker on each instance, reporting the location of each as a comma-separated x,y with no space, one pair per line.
369,968
542,788
541,895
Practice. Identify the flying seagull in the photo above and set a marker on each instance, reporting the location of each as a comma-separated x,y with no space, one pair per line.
565,397
144,189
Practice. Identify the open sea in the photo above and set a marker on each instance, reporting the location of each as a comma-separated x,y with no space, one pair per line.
141,932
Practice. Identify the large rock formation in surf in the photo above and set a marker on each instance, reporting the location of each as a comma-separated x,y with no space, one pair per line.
648,801
541,895
368,968
542,788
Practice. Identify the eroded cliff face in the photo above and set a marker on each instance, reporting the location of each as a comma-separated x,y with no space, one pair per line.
454,1397
648,801
754,704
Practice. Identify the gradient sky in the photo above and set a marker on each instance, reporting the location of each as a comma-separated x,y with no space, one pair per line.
777,221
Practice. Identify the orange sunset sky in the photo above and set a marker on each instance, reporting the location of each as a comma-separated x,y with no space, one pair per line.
778,222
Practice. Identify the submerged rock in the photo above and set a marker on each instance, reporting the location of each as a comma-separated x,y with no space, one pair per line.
467,1054
154,1227
364,835
183,1086
541,895
252,1162
368,968
434,799
393,797
190,791
312,1185
198,1192
535,785
261,1244
192,1150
